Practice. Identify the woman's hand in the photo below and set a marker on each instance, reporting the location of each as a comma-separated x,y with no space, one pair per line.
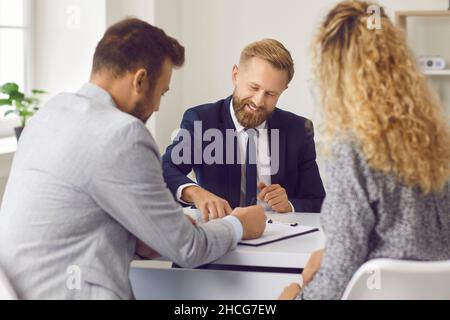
290,292
312,266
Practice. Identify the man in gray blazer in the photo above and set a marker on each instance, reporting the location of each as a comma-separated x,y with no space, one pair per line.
86,182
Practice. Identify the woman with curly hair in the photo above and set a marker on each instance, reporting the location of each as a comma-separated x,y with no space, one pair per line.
389,155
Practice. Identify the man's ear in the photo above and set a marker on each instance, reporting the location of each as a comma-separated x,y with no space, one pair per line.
234,74
140,77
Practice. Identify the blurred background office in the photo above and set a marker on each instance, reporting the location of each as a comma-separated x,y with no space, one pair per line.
48,45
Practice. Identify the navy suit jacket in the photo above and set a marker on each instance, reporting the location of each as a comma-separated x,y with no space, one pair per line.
298,172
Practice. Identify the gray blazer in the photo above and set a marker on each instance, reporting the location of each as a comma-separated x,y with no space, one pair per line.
86,181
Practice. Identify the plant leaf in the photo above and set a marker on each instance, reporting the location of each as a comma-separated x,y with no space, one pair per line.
9,112
31,100
16,95
25,113
19,105
9,88
5,102
36,91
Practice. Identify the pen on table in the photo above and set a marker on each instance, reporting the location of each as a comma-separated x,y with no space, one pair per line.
292,224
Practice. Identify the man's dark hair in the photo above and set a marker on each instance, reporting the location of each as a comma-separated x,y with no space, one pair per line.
132,44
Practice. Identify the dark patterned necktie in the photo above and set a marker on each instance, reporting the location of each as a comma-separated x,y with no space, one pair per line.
250,167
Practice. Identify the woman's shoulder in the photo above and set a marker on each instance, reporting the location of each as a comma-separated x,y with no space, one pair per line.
346,151
348,164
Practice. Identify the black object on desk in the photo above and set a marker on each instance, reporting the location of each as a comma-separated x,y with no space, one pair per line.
294,224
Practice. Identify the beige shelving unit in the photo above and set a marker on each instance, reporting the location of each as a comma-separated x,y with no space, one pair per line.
402,21
402,16
437,72
439,78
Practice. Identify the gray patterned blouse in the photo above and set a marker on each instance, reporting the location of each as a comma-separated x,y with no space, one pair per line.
368,215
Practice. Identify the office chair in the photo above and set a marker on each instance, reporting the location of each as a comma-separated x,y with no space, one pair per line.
391,279
6,290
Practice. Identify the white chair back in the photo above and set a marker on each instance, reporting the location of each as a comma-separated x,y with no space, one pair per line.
390,279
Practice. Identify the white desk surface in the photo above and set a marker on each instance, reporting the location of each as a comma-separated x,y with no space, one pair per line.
8,145
289,253
154,280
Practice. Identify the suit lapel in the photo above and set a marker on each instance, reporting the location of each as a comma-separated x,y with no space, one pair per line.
273,124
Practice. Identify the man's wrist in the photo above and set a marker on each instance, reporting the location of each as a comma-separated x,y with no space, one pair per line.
237,227
179,194
188,194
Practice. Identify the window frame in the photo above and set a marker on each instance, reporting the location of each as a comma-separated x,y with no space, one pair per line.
27,28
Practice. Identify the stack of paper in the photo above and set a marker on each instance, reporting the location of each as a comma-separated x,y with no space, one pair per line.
278,231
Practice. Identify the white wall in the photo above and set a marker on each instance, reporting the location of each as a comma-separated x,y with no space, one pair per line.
64,48
214,42
117,10
63,52
214,32
168,15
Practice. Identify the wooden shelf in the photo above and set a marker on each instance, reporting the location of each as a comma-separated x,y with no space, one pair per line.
401,16
437,72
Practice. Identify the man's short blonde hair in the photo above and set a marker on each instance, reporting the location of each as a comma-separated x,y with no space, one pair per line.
272,51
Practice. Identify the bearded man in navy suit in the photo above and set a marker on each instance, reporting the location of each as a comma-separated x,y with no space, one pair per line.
243,149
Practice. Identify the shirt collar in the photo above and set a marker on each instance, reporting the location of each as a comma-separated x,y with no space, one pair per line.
95,92
238,126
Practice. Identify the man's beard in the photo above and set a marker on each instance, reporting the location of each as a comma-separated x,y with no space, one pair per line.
139,111
246,118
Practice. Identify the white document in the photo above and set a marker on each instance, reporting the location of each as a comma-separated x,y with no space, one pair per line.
278,231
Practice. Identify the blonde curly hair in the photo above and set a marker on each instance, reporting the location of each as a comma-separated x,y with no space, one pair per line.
372,89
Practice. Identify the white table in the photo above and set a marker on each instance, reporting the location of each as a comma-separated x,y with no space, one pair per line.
8,147
256,273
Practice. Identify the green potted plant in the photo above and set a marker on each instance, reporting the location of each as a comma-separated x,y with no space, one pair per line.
24,106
